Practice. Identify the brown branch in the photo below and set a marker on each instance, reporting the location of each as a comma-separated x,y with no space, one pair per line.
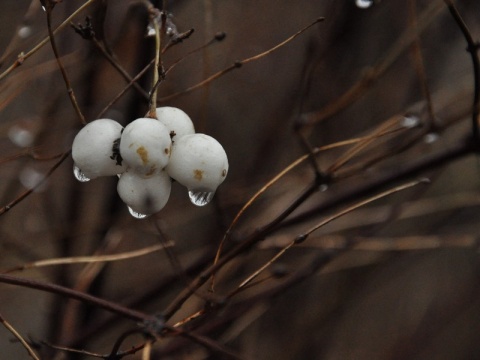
77,295
71,94
247,243
19,337
238,64
27,192
472,48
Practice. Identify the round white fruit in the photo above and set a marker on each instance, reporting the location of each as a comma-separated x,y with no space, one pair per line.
199,162
176,120
93,149
145,146
144,195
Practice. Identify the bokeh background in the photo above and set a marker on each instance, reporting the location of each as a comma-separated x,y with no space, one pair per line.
402,280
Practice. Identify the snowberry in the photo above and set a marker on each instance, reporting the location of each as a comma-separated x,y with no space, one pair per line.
94,149
200,163
144,195
145,146
176,120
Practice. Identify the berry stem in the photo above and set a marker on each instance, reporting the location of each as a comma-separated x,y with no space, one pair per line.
158,43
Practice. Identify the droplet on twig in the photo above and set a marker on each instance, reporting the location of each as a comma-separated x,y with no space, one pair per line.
151,32
410,121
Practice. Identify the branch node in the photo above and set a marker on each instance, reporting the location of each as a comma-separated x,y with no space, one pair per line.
85,31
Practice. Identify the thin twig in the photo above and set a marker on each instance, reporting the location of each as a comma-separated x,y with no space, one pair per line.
420,66
301,238
472,48
124,90
19,337
71,94
24,56
86,298
147,350
238,64
281,174
259,234
27,192
92,259
157,66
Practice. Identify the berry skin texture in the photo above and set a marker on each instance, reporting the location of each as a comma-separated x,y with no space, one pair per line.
144,195
92,148
176,120
145,146
198,162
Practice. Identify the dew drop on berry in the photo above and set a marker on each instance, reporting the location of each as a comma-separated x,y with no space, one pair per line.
79,175
136,214
200,198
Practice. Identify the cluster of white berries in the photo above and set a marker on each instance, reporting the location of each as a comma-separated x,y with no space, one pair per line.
147,154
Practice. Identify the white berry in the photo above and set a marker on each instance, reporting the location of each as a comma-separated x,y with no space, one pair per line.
144,195
145,146
198,162
176,120
93,149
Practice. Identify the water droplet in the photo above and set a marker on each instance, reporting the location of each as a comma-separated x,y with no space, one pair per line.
44,8
410,121
24,32
79,175
200,198
20,136
363,4
431,138
151,31
136,214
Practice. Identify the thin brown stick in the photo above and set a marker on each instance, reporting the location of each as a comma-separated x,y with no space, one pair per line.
147,350
24,56
27,192
157,65
419,64
19,337
119,68
86,298
177,303
239,63
281,174
125,89
301,238
92,259
472,48
71,93
384,128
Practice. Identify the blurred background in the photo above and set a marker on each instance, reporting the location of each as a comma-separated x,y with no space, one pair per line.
397,278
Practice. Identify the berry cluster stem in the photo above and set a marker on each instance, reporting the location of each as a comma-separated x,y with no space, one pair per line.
158,43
